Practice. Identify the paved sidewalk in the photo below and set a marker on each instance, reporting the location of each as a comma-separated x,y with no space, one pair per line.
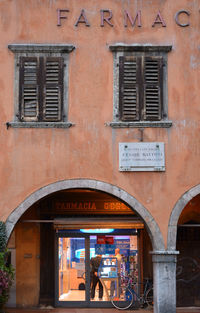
91,310
73,310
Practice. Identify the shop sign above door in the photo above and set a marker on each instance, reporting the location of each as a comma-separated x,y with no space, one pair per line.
142,156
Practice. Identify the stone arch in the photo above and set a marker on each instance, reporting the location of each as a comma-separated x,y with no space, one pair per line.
176,212
152,227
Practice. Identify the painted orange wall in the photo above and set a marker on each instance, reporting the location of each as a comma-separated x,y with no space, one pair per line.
33,158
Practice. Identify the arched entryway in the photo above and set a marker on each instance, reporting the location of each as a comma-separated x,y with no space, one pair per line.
176,212
184,236
49,193
153,229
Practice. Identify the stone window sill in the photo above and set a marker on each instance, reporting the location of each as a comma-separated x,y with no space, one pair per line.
39,124
139,124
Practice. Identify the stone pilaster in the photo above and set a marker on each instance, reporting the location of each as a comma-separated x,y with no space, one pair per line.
164,269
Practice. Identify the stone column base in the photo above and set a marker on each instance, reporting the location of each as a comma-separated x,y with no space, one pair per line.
164,282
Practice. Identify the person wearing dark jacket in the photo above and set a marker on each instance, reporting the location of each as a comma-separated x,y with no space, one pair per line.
95,263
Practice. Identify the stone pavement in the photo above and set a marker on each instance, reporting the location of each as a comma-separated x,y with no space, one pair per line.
91,310
74,310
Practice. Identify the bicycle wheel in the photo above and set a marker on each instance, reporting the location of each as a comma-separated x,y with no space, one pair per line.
124,301
149,297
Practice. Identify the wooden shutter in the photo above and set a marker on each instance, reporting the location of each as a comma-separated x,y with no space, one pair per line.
29,89
53,89
129,88
153,88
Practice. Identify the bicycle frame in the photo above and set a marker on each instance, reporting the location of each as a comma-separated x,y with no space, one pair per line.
139,297
130,296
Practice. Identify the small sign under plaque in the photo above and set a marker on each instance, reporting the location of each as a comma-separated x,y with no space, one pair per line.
141,156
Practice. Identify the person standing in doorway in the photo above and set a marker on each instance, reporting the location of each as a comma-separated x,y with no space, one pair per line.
95,263
119,261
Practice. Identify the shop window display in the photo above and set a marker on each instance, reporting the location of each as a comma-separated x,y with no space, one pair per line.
117,255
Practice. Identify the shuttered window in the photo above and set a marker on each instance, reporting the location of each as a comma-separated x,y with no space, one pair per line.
41,88
140,88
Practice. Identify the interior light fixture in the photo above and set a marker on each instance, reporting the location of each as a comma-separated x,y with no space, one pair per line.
97,230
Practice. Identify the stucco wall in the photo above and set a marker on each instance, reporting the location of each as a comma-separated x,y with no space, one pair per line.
34,158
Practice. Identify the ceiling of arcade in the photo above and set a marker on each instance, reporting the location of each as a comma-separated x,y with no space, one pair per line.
191,212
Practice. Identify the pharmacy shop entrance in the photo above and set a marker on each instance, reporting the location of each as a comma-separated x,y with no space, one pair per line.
88,240
90,264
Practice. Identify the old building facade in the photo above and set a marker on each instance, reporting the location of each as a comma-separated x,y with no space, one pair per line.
100,130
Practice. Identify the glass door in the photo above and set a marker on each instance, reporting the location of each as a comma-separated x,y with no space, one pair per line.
91,267
71,269
113,258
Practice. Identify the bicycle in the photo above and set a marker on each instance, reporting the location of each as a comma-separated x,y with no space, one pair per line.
129,296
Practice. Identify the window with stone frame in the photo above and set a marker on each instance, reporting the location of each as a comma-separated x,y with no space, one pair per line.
41,89
140,86
41,85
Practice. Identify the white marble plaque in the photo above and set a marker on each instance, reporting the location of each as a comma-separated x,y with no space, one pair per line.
141,156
